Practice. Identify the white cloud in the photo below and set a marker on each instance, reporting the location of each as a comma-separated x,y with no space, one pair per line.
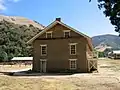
3,3
2,7
13,0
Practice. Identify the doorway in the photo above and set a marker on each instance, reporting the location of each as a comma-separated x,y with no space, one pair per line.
43,66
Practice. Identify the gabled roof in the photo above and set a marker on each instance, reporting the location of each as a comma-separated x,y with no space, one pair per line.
53,24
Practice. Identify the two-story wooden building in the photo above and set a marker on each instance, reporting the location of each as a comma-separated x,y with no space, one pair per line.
59,47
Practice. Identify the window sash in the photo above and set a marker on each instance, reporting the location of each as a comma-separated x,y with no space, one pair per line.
73,64
48,34
43,50
72,49
67,34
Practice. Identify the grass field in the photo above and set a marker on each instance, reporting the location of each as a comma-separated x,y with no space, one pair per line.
108,78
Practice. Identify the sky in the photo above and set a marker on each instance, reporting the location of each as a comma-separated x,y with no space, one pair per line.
79,14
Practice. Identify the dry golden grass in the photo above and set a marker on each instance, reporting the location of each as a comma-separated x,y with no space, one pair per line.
14,83
111,64
103,80
67,83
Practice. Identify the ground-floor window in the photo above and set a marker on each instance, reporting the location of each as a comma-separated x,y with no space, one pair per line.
73,64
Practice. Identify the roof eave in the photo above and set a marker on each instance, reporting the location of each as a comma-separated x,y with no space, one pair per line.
52,24
44,30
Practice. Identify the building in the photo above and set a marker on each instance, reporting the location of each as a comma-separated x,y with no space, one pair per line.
25,60
103,50
59,48
114,54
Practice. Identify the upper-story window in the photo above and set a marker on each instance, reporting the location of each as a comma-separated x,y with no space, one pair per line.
49,34
73,48
43,50
66,33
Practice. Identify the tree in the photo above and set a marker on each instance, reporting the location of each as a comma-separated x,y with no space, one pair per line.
3,55
112,10
13,40
101,54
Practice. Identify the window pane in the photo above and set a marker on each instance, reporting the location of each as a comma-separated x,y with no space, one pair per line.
73,49
44,51
67,34
72,46
49,35
73,64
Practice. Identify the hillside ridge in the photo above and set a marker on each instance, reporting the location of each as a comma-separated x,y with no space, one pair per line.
21,21
107,39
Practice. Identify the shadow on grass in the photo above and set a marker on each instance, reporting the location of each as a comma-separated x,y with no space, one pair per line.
31,73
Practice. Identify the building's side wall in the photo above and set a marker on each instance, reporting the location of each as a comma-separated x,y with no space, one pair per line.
58,51
89,52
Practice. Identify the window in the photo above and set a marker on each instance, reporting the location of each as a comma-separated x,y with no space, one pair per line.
67,33
73,63
43,50
73,49
49,34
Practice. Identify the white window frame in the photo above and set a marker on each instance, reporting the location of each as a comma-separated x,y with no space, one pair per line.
50,32
43,59
75,64
41,49
66,31
75,48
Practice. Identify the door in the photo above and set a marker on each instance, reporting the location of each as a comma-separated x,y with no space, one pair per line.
43,66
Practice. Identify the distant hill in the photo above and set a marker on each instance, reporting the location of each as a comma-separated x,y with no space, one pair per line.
21,21
107,40
14,33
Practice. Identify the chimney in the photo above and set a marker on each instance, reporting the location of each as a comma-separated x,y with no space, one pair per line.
58,19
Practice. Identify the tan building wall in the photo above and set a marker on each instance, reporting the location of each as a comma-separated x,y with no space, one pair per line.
58,51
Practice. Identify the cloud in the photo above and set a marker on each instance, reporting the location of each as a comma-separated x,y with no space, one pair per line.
14,0
2,7
3,4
